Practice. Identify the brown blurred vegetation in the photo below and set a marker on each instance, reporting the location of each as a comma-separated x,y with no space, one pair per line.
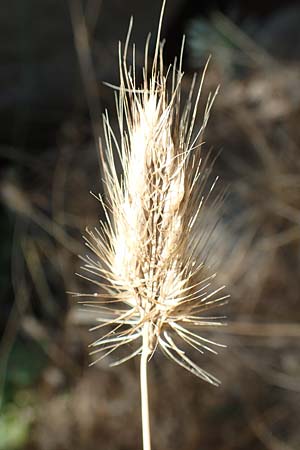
55,59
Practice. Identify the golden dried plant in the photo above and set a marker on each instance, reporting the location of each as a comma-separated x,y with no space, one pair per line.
149,258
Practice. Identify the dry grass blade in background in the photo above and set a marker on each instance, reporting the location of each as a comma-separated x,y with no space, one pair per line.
149,262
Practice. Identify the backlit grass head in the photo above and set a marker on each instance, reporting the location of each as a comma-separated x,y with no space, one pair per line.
149,262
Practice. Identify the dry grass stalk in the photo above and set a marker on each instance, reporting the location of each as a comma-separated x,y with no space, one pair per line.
148,263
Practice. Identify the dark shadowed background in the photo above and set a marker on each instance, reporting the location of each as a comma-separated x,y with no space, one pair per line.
55,56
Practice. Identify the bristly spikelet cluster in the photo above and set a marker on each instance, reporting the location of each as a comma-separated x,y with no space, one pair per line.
151,274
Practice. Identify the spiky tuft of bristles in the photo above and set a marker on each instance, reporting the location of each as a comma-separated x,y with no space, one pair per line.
149,266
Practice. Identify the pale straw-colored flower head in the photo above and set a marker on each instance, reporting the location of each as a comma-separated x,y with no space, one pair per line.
149,255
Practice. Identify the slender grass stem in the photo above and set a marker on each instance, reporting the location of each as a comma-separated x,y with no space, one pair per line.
144,389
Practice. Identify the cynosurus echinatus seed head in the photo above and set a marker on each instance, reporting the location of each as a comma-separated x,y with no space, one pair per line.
149,257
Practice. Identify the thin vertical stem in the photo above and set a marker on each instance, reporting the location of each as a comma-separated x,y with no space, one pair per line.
144,389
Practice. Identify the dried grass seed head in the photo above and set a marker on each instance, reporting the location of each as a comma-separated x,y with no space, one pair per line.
148,262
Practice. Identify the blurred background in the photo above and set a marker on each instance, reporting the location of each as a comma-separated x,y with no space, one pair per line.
55,56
